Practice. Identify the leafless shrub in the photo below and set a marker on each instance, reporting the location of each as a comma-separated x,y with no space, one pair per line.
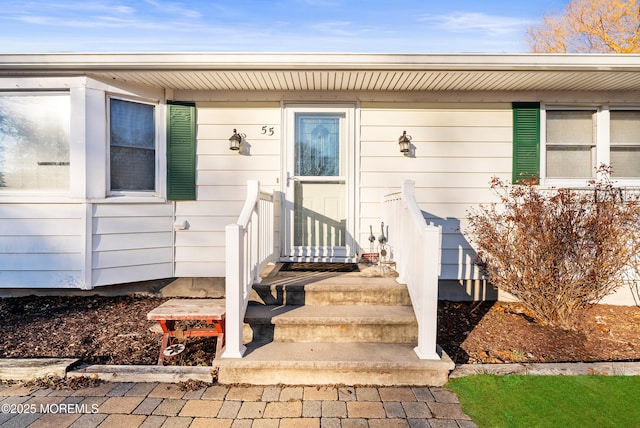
558,250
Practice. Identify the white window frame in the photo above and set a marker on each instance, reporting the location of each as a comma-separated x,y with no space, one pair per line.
159,172
602,144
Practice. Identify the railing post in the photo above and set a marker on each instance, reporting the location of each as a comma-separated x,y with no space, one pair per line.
234,291
428,325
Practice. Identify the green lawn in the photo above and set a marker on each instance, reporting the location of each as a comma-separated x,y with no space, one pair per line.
550,401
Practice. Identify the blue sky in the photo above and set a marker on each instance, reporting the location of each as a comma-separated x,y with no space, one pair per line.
415,26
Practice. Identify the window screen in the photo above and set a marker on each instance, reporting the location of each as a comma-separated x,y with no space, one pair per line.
625,143
132,140
570,143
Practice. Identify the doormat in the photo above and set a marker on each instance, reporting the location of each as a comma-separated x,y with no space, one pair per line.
319,267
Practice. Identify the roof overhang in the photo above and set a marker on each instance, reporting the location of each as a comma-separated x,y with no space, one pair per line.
341,72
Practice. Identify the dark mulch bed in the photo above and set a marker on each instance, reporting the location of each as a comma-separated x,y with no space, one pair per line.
114,330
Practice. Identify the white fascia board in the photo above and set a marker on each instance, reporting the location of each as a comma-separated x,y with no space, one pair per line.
83,62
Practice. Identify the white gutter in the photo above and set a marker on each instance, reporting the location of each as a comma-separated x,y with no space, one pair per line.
84,62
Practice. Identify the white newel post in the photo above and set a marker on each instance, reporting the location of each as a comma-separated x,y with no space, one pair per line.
428,330
233,292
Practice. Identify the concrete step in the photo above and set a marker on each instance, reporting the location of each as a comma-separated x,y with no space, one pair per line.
330,290
333,363
331,323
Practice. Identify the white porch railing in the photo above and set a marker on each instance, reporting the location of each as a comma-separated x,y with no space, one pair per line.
416,250
249,247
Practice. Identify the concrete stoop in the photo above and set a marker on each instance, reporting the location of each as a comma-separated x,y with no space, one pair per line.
324,363
327,328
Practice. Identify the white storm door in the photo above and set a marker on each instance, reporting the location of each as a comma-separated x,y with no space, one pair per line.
318,205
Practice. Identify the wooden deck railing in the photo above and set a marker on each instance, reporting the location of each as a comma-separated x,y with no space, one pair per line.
249,247
416,250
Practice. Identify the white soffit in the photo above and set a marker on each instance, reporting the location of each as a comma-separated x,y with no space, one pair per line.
343,72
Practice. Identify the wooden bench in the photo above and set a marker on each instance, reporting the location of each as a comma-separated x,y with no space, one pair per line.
212,311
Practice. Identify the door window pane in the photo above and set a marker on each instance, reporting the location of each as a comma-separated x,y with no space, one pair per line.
317,145
320,214
133,155
34,141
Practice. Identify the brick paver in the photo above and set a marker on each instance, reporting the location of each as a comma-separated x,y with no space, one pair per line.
201,408
162,405
167,390
147,406
251,393
120,404
365,409
51,420
396,394
216,392
211,423
169,407
291,393
229,409
320,393
311,409
154,422
416,410
367,394
334,409
251,410
447,411
283,409
120,421
266,423
141,389
394,409
300,423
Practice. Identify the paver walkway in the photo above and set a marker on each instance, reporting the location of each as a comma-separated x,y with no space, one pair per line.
131,405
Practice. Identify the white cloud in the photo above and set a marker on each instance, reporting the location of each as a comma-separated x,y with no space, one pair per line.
465,22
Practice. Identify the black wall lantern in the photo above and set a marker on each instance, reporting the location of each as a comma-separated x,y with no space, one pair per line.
405,143
235,140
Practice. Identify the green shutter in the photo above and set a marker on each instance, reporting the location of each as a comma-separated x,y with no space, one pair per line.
526,141
181,152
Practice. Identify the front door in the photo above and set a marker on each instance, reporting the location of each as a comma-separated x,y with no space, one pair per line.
318,208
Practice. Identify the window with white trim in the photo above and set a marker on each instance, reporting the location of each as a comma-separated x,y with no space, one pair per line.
625,143
578,140
34,141
132,145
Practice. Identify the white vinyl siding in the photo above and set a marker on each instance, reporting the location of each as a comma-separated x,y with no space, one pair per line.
131,242
221,180
458,148
41,245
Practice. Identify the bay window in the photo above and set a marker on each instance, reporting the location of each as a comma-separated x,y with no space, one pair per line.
34,141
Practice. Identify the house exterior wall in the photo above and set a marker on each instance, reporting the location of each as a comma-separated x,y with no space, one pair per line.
458,148
88,238
221,179
83,237
41,245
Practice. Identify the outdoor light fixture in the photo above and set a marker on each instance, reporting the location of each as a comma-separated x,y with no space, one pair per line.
405,143
234,141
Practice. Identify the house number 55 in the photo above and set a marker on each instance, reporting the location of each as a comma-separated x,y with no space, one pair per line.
267,130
